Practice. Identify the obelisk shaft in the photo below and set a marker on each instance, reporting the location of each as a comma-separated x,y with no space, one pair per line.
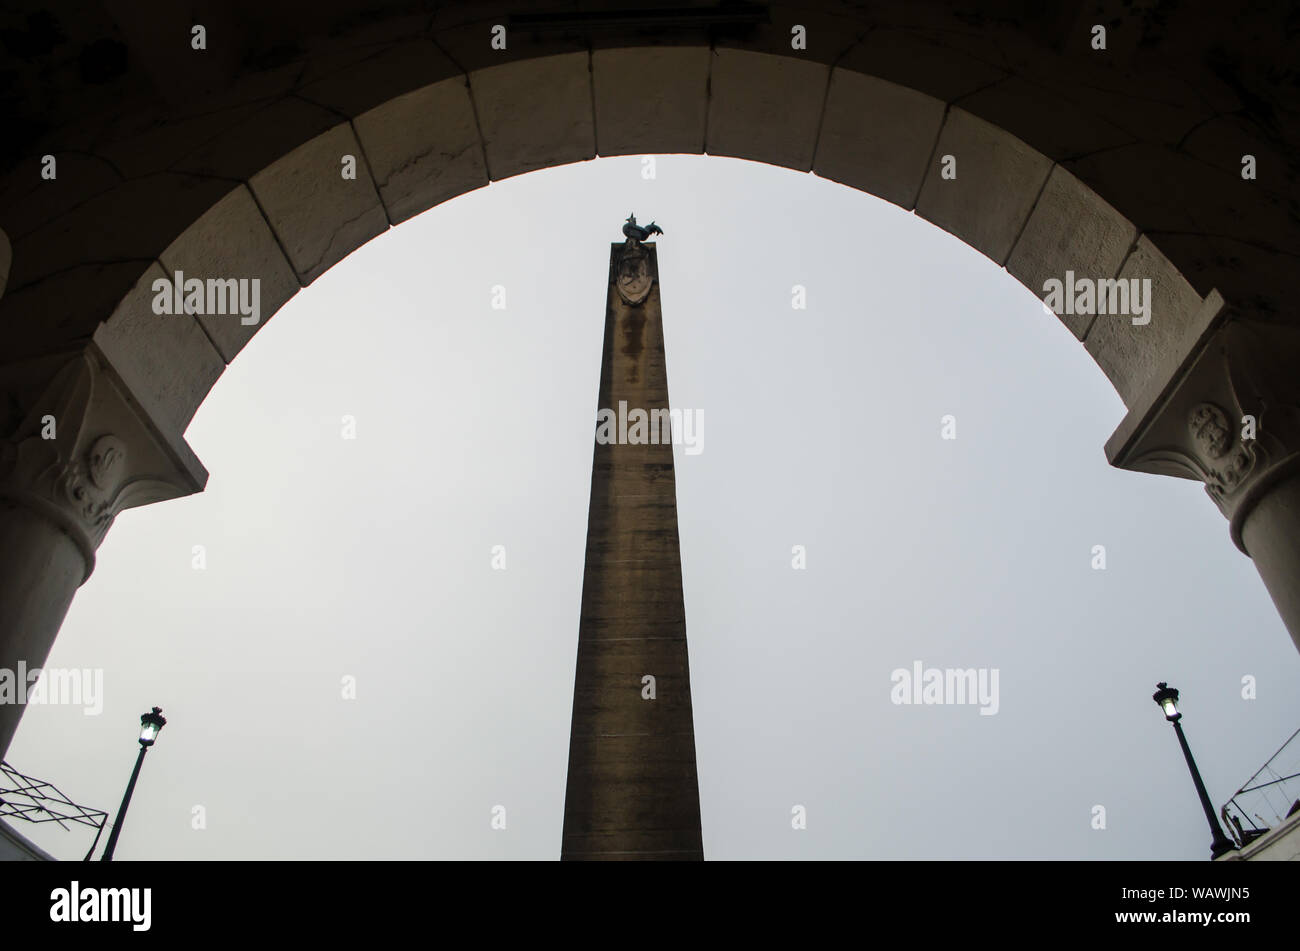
632,792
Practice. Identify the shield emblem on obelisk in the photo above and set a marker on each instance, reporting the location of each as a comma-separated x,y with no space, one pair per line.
634,278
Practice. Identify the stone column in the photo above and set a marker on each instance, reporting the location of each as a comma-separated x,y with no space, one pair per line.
1228,415
75,450
632,789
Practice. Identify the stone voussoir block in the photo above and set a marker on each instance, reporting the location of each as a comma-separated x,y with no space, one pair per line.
1133,350
535,114
319,215
887,154
765,107
996,180
651,99
232,241
165,360
423,148
1093,244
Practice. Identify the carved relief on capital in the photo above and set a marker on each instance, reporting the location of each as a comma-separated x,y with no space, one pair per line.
89,483
77,452
1224,460
1232,419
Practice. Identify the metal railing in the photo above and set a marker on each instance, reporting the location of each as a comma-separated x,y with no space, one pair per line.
23,797
1267,798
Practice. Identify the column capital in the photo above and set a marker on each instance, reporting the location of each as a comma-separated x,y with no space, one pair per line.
1225,412
77,448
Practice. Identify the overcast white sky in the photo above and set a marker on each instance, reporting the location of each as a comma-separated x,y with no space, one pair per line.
371,558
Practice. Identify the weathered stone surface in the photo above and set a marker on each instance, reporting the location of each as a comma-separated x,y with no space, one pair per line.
616,665
37,318
466,35
998,179
82,231
944,66
1163,113
652,99
536,115
136,152
1059,126
268,134
385,72
166,361
1130,355
30,201
1220,231
765,107
824,37
1213,201
37,589
638,797
1070,229
1270,534
423,148
319,216
1256,275
367,34
877,136
271,81
158,38
233,241
1223,141
632,788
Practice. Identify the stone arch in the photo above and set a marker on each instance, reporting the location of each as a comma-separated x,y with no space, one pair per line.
292,219
232,167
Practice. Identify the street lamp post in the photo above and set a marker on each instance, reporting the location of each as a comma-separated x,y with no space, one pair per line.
1166,697
150,725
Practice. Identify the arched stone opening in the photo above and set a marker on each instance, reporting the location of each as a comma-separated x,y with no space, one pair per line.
249,181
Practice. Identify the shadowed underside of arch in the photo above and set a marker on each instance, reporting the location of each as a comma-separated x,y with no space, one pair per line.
226,163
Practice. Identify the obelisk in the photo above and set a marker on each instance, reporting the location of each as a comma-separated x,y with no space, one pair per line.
632,789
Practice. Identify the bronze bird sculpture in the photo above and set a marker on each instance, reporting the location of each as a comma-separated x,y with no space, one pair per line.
635,232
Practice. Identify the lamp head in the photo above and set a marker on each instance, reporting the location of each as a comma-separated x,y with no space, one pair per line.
151,725
1166,697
